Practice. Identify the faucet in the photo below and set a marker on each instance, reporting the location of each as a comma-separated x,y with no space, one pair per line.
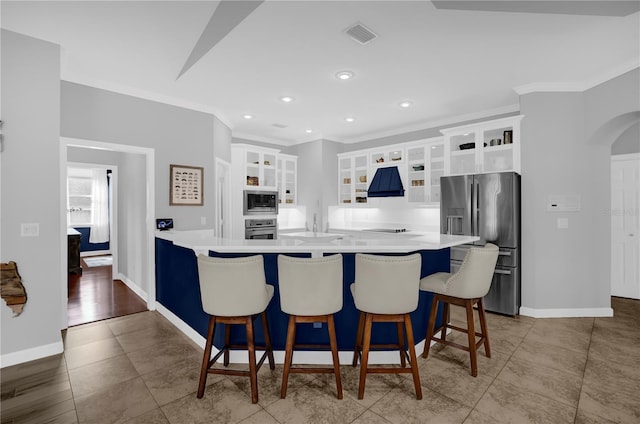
315,223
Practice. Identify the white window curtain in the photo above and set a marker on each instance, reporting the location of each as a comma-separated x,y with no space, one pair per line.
99,232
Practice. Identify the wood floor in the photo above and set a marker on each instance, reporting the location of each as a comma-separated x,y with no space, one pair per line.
94,296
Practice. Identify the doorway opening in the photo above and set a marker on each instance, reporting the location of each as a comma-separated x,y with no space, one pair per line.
117,277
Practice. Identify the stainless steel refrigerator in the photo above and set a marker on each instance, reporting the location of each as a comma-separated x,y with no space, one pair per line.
487,206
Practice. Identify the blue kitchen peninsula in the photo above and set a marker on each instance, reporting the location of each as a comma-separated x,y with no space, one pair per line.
178,290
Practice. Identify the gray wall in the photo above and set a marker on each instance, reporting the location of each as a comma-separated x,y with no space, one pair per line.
628,142
178,136
310,193
566,145
30,185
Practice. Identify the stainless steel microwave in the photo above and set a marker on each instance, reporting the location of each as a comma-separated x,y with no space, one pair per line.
260,202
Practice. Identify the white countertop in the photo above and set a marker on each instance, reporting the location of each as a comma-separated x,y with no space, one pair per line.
201,241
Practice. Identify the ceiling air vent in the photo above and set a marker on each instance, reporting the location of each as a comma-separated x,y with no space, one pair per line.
360,33
280,125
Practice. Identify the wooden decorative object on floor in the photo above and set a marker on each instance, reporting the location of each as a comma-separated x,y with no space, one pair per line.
12,290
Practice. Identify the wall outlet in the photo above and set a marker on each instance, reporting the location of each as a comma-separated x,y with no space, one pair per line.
317,325
203,220
563,223
30,230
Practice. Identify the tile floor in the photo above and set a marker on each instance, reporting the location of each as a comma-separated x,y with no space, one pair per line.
140,369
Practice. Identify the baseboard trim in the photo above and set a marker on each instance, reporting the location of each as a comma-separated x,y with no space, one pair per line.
301,357
26,355
566,313
181,325
133,286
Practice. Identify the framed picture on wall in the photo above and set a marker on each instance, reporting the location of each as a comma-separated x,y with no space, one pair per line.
185,185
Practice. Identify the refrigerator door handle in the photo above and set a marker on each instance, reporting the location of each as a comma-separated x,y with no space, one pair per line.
502,271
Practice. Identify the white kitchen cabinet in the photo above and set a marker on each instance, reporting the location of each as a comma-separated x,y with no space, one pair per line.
287,177
386,156
425,166
490,146
258,166
353,177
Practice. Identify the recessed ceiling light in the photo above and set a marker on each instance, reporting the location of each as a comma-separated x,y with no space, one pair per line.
344,75
406,103
350,119
286,99
248,116
308,131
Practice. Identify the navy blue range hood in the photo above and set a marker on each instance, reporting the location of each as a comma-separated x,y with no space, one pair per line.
386,183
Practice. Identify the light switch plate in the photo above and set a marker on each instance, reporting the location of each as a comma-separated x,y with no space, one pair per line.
30,230
563,223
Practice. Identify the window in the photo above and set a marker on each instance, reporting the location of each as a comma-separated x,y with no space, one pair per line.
79,200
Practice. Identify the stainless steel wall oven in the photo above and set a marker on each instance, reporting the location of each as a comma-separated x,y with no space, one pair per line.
260,229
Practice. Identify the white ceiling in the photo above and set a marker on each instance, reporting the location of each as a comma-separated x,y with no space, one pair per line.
451,63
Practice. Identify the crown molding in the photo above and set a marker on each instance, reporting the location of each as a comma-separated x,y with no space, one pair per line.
143,94
579,86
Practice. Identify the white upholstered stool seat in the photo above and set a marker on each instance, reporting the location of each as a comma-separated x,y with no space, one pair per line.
386,289
234,291
310,292
465,288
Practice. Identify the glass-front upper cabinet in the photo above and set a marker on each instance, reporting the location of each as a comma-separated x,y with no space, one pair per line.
491,146
287,179
386,156
260,166
352,181
425,160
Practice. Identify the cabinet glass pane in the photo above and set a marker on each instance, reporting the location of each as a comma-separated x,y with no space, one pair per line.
437,153
461,140
253,158
270,177
269,160
499,158
463,162
498,136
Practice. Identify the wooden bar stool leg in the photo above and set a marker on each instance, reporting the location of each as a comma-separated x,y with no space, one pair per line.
251,348
483,327
267,341
366,344
334,352
412,356
471,333
358,347
204,371
446,318
291,337
403,359
430,326
227,342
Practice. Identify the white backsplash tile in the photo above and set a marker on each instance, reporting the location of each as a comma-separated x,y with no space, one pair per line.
411,218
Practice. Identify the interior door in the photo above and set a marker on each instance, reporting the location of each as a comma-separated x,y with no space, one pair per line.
625,225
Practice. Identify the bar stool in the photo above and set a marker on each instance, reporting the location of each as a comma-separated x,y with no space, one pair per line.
465,288
386,289
310,291
234,291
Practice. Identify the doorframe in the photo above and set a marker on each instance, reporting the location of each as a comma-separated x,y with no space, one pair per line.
617,158
222,169
149,262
